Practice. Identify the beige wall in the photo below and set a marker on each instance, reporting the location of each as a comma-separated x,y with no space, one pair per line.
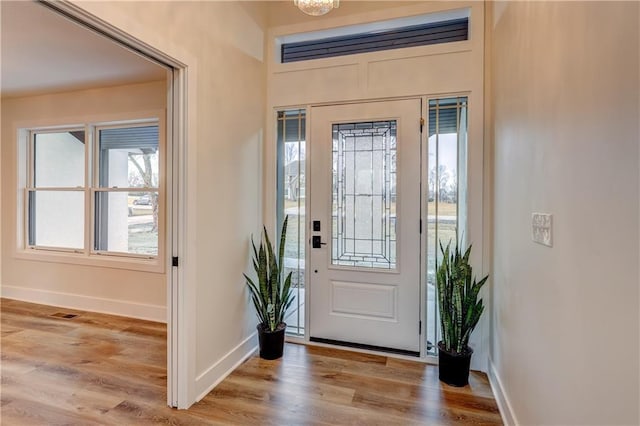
106,289
565,319
222,45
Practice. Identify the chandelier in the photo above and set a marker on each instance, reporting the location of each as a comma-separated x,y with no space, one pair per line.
316,7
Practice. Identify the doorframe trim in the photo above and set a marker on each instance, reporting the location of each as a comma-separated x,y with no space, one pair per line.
422,286
271,215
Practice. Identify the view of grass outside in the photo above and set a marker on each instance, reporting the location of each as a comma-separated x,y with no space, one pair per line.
295,263
442,227
447,224
143,235
295,245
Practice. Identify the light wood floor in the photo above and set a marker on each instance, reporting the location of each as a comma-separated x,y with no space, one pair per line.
101,369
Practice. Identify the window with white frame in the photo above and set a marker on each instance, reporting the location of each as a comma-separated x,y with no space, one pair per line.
446,193
56,191
291,186
95,189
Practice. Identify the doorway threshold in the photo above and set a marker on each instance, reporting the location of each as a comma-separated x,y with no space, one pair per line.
366,347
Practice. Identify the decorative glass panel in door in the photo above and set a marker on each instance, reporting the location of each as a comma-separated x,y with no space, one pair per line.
364,194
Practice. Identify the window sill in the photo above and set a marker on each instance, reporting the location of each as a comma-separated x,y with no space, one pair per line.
93,260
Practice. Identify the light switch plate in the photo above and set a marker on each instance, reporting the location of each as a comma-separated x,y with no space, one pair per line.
541,229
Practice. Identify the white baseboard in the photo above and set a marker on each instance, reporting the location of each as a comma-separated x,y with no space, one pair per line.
86,303
506,410
215,374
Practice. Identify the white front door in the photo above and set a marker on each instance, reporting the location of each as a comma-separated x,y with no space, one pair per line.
364,213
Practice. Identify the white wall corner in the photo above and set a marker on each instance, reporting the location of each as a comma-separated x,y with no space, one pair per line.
504,405
123,308
219,370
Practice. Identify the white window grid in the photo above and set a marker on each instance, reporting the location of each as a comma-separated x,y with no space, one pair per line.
91,185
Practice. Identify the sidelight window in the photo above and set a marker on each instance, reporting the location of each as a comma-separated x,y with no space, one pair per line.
446,192
291,193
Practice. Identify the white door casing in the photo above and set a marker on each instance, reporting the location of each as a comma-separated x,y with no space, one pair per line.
365,278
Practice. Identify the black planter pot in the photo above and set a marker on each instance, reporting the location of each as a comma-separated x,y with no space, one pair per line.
453,368
271,342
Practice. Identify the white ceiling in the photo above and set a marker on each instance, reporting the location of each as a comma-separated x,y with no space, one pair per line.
42,51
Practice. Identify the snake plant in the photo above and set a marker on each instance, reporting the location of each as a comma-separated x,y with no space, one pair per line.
458,302
270,294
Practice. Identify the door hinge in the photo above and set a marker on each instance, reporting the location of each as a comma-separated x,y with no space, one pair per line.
420,327
421,124
175,261
421,226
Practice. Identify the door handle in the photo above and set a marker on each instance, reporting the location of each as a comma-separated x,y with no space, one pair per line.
316,241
